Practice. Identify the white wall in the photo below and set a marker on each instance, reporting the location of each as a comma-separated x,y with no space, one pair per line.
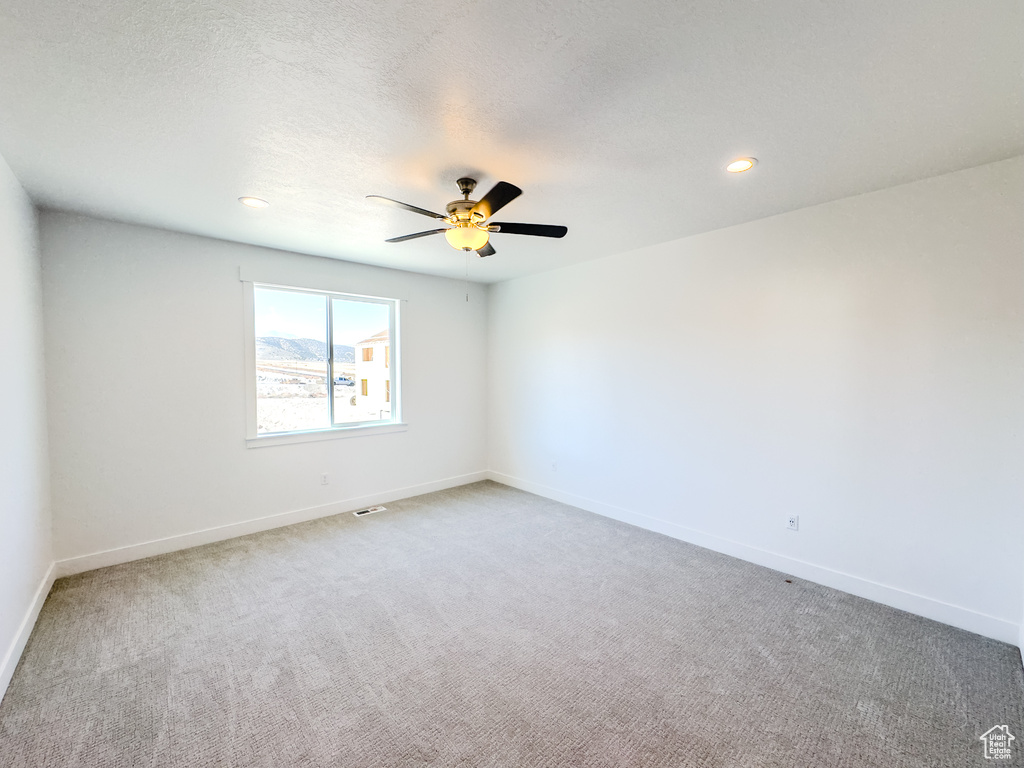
859,363
25,552
147,386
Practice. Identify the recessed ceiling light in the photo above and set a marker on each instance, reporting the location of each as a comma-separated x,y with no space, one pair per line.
741,164
253,202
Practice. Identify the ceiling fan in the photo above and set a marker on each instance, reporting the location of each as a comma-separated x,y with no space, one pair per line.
469,229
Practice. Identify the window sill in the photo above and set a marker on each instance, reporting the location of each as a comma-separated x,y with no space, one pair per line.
324,434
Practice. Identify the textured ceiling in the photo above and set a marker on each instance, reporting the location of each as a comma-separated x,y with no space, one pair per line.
616,118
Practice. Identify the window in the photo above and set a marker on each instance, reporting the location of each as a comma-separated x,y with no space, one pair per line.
309,350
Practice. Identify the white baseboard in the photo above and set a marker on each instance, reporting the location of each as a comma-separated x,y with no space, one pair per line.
13,655
954,615
144,549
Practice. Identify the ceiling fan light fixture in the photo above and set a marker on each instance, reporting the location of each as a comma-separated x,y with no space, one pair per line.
466,236
467,220
741,164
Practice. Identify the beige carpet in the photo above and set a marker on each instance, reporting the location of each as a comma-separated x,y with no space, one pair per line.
484,626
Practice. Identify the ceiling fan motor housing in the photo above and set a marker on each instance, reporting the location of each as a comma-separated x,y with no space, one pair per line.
461,210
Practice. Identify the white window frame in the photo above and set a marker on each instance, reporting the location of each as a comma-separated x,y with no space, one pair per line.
253,438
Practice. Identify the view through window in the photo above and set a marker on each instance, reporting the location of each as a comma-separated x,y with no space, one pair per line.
305,339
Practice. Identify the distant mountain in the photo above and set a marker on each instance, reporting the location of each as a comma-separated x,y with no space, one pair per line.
279,348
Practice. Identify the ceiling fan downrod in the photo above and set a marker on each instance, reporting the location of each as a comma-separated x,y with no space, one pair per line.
466,186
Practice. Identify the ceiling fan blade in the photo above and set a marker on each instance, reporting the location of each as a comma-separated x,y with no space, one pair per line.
540,230
487,250
403,238
501,194
408,207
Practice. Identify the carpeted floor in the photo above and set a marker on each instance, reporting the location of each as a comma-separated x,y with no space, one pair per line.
484,626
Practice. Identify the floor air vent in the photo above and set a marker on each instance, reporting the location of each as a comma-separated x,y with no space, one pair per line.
369,511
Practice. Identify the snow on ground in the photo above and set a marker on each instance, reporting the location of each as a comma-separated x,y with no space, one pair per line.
287,402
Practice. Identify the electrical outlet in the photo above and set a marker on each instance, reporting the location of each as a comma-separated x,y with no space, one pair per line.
323,479
793,522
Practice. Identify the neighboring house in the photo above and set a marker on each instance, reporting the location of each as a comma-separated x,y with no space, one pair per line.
373,374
